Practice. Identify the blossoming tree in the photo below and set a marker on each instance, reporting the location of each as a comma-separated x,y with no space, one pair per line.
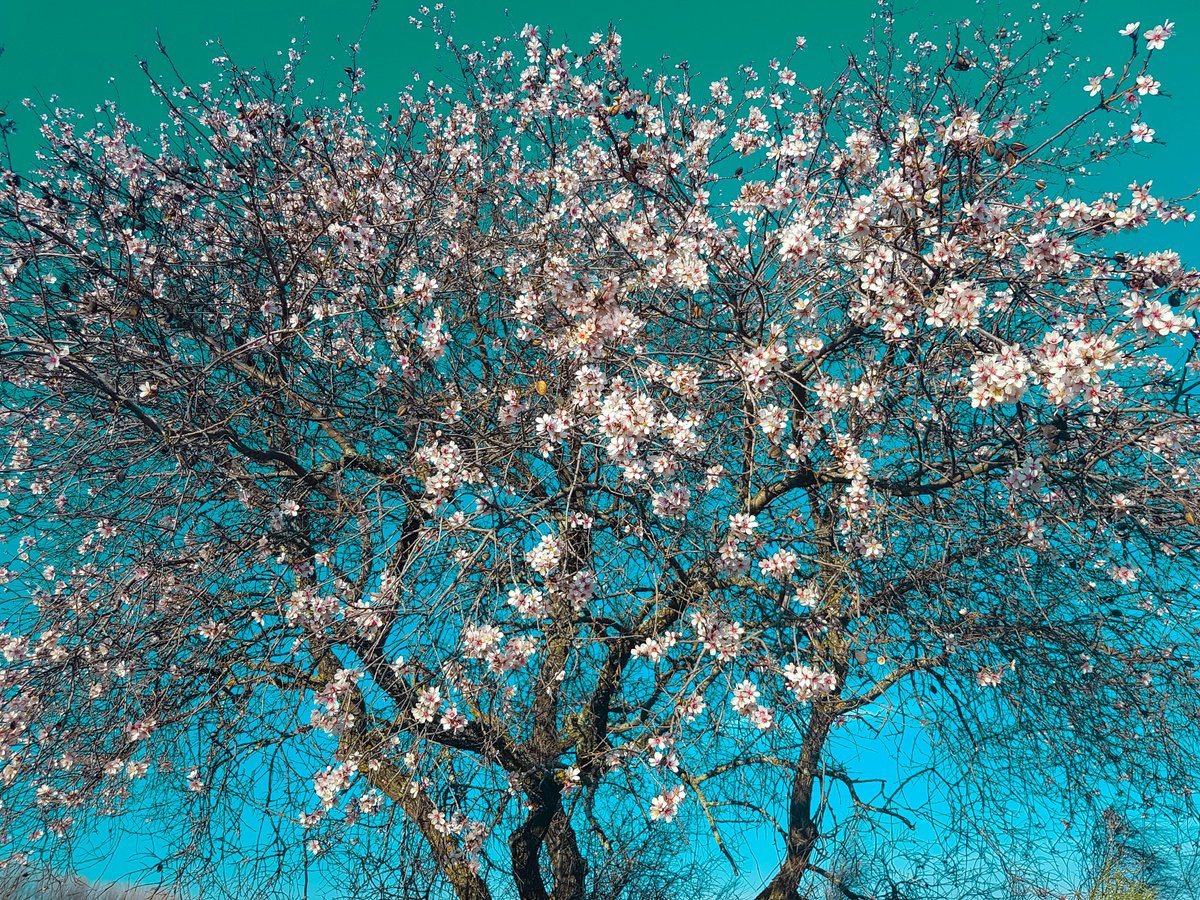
568,448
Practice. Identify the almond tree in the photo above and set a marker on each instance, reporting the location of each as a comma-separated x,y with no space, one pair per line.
568,451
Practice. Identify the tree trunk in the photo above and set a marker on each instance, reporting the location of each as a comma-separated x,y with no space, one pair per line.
570,868
548,824
802,827
524,845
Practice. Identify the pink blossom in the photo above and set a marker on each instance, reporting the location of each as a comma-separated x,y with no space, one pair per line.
1157,36
780,565
665,806
745,697
742,526
989,677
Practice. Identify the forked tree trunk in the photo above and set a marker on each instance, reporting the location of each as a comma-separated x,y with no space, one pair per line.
570,868
548,825
802,827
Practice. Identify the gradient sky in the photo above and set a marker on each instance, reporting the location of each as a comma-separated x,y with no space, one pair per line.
82,52
85,52
72,48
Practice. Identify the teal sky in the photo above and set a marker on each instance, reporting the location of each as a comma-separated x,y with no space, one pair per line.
73,48
82,52
86,52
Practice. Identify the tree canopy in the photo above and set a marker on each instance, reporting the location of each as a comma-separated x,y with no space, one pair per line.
572,459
